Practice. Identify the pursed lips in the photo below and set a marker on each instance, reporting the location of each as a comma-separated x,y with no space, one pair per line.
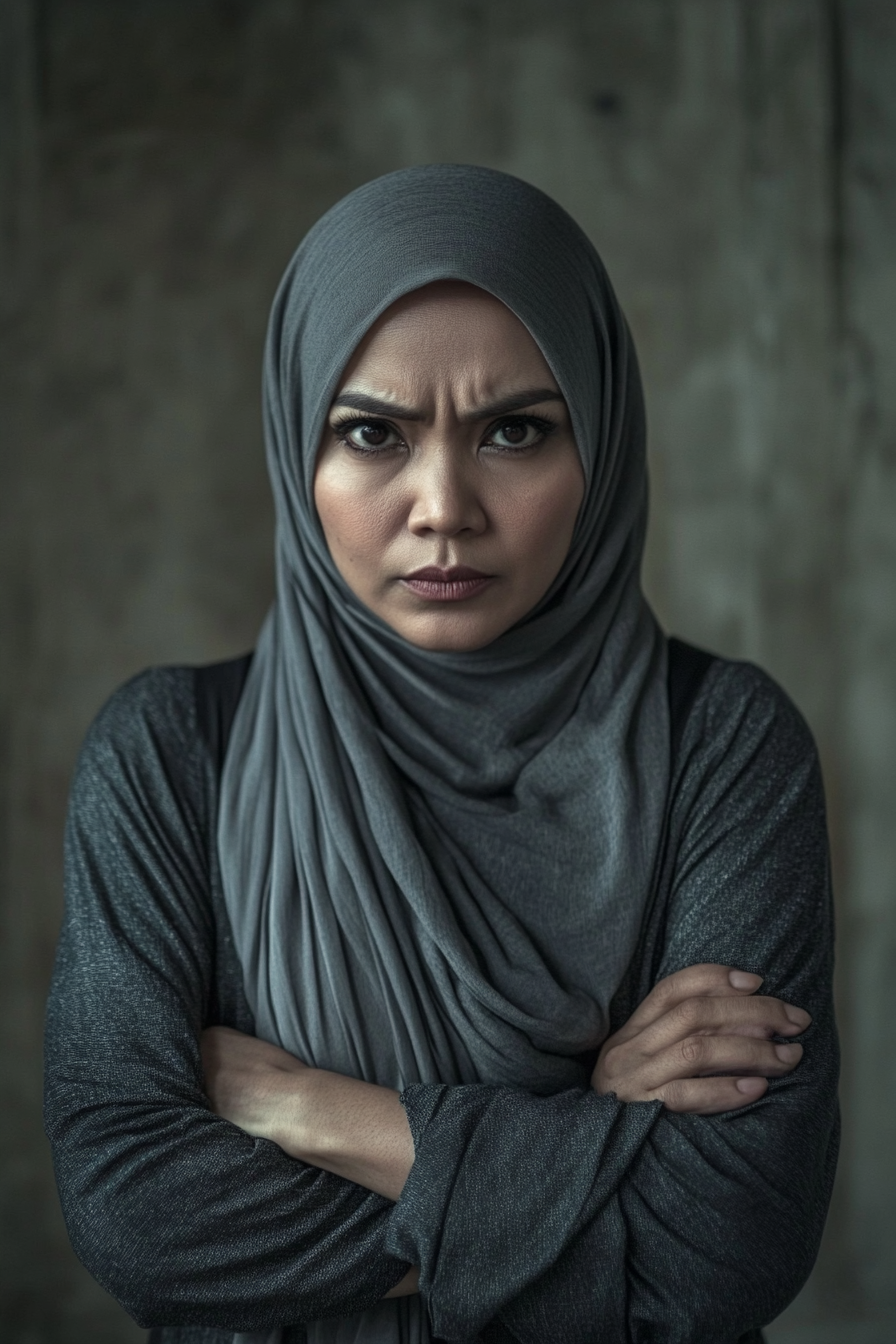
447,585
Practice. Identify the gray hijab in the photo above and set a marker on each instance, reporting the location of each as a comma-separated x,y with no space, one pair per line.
435,864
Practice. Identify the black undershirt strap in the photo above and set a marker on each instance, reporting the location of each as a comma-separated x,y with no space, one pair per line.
218,687
688,666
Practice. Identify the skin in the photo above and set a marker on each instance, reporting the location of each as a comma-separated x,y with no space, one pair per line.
449,481
445,479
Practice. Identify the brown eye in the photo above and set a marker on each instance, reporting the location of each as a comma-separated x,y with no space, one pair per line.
367,436
514,432
518,432
370,436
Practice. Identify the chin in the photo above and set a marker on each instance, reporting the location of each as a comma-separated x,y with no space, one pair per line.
438,635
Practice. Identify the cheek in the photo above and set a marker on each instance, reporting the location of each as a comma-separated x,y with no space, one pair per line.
539,522
358,518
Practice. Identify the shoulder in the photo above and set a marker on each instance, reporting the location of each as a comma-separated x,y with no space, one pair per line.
750,878
151,715
743,724
140,831
746,879
747,804
166,724
171,707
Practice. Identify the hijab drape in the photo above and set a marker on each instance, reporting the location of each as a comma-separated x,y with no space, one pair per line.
435,864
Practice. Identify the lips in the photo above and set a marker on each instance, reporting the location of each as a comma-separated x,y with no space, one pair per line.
447,585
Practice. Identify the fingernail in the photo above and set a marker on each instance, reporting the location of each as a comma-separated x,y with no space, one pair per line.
798,1016
750,1086
788,1054
744,980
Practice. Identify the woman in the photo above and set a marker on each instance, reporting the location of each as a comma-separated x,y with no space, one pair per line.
408,982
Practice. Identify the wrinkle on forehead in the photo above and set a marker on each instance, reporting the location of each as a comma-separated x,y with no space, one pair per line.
448,348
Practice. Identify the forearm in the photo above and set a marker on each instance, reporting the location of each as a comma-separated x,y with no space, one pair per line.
184,1219
567,1203
358,1131
503,1182
259,1241
342,1126
354,1129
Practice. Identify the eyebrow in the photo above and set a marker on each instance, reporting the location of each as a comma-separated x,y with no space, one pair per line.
517,401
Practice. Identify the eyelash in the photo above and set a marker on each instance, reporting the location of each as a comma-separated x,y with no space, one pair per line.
342,429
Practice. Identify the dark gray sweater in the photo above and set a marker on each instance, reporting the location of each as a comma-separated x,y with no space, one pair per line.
541,1219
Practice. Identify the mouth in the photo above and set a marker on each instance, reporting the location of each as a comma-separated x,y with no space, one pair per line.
447,585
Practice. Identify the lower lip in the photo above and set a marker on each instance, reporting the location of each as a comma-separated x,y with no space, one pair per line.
449,590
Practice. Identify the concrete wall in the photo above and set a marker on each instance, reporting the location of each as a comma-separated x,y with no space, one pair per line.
734,162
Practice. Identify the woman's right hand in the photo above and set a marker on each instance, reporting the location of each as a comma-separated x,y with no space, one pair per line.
701,1043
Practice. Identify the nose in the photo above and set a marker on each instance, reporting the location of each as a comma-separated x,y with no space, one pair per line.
446,500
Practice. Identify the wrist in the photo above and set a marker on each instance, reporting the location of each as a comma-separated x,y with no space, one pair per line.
354,1129
291,1114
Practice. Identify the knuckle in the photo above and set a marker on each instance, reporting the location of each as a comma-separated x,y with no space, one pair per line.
689,1013
693,1050
674,1096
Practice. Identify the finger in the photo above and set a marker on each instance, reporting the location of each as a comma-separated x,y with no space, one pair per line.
703,1055
759,1015
706,980
633,1078
710,1096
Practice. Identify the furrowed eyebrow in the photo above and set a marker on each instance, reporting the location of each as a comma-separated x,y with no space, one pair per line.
517,401
359,401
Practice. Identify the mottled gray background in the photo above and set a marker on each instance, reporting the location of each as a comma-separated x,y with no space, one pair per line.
735,162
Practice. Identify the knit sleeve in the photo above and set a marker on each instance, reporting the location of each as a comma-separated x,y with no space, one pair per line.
180,1215
577,1217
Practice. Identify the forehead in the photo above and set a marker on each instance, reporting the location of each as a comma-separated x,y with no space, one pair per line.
448,331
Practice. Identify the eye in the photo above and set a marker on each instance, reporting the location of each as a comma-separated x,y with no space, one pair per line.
518,432
367,437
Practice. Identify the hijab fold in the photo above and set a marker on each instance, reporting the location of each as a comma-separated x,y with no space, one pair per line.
435,864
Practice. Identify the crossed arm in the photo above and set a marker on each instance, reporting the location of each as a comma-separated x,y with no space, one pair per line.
702,1042
581,1207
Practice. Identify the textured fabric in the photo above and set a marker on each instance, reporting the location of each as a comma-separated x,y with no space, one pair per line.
716,1219
436,864
183,1217
685,1230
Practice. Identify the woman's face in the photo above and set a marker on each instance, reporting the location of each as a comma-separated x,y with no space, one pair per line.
448,480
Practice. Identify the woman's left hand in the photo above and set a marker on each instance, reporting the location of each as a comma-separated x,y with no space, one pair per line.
702,1043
